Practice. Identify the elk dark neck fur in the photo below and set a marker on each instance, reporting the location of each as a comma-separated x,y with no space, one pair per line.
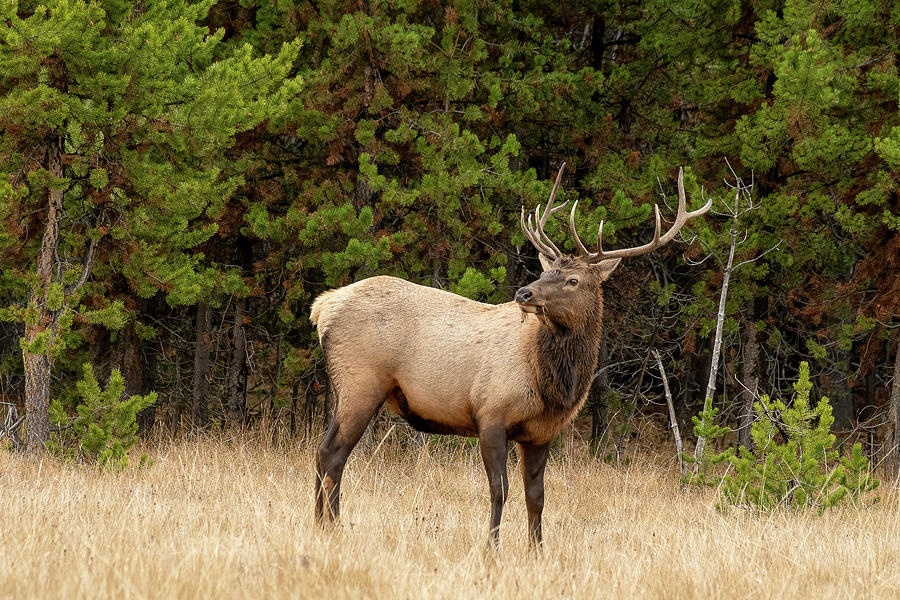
565,361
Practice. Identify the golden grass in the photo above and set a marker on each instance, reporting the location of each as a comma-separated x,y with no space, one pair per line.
234,520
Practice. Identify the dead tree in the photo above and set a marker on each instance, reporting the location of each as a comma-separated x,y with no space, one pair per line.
742,193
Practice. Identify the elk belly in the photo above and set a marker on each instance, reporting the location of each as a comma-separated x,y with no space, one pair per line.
430,416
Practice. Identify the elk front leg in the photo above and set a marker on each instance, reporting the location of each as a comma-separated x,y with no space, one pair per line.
494,452
534,459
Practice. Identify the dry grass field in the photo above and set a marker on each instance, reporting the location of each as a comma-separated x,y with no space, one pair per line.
212,519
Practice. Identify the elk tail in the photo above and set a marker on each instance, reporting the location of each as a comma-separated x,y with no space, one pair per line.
320,303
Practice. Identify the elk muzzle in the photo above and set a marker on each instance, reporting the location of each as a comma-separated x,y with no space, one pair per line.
525,297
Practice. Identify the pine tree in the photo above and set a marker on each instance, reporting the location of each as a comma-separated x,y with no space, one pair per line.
105,425
115,117
801,470
421,132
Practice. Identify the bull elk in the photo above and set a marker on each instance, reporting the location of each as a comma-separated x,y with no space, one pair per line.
451,365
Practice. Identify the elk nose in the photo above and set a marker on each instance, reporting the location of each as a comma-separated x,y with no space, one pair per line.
523,295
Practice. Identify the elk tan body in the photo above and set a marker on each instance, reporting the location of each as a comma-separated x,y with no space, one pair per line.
384,337
517,371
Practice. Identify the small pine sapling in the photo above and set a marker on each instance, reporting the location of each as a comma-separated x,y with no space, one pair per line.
705,428
857,476
104,427
794,462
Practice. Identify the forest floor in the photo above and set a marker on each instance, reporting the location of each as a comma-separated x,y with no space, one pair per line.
233,519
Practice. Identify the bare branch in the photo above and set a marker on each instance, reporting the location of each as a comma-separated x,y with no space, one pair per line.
672,419
87,265
757,257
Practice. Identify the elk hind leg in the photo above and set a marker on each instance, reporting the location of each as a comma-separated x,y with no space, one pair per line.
353,412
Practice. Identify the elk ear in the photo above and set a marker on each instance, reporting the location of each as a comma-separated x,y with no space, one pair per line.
604,268
546,263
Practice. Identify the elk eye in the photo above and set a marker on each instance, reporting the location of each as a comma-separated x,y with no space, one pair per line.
573,282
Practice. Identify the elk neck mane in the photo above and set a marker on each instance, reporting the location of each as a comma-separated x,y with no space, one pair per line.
565,360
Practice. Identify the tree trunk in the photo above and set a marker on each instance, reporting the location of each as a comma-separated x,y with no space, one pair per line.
37,400
310,400
294,391
36,353
598,47
177,400
237,396
841,395
139,372
749,381
870,447
690,386
892,464
200,399
147,417
132,371
597,395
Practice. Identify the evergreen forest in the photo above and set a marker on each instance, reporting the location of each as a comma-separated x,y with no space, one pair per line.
181,179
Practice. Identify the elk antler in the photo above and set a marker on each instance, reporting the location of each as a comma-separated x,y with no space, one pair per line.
681,218
535,233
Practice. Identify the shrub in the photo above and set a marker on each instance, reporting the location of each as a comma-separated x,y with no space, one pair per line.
705,427
104,427
793,461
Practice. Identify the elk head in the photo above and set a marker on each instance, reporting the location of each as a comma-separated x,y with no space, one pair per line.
568,291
